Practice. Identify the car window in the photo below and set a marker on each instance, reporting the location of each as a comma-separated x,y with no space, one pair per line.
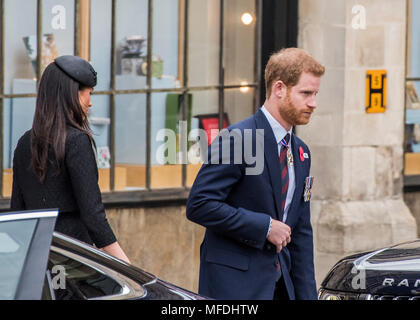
72,280
15,239
47,289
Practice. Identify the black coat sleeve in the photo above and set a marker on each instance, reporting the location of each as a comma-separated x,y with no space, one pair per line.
83,171
16,203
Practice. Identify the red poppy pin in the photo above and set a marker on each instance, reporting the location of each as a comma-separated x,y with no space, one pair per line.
302,158
303,155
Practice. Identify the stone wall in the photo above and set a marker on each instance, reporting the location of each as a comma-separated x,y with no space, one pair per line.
161,241
357,158
412,200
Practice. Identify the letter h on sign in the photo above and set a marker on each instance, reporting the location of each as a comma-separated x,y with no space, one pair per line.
375,91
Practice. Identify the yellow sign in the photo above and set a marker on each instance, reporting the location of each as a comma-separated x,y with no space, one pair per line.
375,91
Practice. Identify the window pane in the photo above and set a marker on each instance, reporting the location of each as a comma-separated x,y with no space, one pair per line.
21,41
239,103
100,124
239,41
165,44
131,43
412,116
46,292
414,63
20,46
204,38
205,105
100,41
166,168
81,281
130,142
18,117
412,130
15,238
58,23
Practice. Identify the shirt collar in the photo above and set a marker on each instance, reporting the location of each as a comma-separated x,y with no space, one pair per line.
279,131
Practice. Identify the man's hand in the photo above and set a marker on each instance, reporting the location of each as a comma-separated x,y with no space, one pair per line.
279,234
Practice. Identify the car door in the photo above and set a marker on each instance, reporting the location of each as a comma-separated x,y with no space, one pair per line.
25,239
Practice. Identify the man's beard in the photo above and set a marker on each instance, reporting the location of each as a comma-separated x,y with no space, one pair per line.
291,114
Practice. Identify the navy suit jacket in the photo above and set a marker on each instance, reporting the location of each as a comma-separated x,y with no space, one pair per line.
236,260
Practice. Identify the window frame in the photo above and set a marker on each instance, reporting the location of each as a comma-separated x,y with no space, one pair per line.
82,47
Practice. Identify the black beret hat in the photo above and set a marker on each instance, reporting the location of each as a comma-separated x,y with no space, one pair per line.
78,69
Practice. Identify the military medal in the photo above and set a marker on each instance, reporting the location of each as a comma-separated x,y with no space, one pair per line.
289,158
289,153
308,188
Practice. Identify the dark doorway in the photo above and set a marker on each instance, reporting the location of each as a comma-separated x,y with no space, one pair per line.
279,30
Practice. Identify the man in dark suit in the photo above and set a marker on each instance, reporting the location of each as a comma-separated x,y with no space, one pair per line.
258,242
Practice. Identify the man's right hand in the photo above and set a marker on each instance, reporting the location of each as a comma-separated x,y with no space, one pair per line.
279,234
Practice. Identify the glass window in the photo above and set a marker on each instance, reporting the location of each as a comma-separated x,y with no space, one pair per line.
47,290
166,161
131,43
130,142
165,44
99,120
21,41
413,69
100,41
15,239
239,103
81,281
203,43
20,46
239,41
205,107
412,118
58,25
126,90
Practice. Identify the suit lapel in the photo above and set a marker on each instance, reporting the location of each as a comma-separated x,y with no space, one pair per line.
299,170
271,155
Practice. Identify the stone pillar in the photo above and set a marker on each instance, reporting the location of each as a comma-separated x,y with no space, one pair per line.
357,158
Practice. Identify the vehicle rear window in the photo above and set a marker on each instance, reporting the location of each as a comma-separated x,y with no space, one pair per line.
73,280
15,240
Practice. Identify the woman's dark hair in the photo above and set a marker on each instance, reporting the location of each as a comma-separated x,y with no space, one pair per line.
57,106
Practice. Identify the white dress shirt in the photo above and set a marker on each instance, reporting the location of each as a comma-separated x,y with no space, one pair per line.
279,134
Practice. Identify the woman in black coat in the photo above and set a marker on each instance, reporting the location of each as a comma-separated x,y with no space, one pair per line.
54,164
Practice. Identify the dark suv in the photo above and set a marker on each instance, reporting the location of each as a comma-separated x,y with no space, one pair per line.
391,273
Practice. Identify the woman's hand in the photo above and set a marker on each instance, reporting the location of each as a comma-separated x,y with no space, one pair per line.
115,250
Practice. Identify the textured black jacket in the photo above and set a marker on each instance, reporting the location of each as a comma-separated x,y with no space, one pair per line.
74,191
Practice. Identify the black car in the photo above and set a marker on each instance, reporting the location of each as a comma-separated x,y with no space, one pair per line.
391,273
38,263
